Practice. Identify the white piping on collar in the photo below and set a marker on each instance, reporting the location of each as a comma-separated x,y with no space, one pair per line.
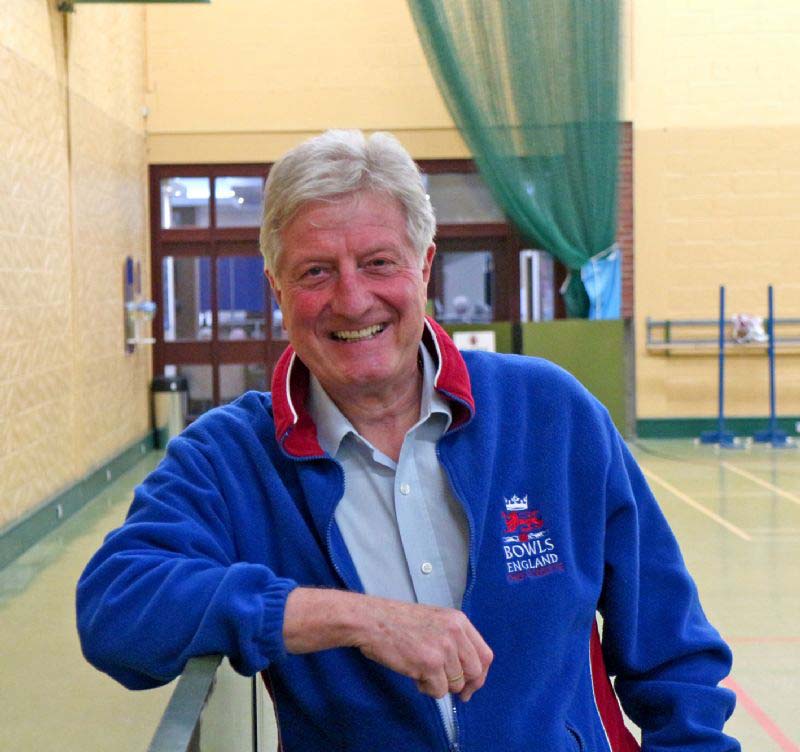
438,354
288,389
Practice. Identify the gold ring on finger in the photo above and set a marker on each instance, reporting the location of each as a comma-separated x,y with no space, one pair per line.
455,679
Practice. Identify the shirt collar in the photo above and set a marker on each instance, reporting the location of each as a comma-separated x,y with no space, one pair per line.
333,426
431,401
295,430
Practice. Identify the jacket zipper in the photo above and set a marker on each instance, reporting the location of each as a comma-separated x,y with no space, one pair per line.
470,551
328,542
329,528
455,744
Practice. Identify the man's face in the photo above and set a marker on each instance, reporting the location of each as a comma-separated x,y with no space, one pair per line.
352,292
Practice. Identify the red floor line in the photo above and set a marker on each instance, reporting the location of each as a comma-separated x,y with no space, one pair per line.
763,720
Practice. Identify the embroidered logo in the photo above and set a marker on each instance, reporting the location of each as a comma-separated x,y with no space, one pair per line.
515,503
528,547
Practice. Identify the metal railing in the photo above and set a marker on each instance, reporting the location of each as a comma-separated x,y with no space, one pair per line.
702,335
214,709
179,728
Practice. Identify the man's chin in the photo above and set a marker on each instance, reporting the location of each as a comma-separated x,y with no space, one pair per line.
364,378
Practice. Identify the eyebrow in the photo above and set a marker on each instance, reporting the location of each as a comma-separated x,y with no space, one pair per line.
385,247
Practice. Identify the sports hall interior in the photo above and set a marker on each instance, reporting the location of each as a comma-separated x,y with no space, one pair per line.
105,110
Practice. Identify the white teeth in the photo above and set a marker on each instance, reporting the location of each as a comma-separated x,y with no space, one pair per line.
353,334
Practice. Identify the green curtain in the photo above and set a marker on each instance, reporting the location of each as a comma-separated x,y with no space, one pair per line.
533,86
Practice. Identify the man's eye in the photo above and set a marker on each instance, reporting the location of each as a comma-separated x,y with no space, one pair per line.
312,275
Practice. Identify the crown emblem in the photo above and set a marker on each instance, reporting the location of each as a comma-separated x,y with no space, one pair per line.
514,504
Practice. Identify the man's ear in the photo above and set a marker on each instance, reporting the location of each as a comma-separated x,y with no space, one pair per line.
428,261
274,285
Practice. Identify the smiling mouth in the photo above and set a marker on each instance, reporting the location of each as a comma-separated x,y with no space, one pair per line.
357,335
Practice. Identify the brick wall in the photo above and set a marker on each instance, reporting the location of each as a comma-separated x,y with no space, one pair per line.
717,190
625,236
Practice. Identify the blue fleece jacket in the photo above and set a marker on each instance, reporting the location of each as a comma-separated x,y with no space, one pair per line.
562,525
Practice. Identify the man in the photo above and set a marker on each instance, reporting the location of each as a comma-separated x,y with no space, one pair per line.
410,544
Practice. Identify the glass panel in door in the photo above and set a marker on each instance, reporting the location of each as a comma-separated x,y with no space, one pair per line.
184,202
467,283
241,297
186,298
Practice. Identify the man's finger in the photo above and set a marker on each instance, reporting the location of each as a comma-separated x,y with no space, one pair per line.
455,681
472,670
434,687
476,659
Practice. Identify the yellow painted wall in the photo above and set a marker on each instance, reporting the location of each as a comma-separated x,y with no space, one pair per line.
72,206
717,189
244,81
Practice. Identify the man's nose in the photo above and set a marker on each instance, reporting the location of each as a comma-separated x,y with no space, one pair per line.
351,296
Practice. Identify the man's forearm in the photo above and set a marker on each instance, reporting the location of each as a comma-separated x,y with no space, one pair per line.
321,618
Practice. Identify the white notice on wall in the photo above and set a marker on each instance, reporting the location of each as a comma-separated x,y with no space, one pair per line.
479,340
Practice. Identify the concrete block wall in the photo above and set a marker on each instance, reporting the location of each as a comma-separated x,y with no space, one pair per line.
72,206
717,190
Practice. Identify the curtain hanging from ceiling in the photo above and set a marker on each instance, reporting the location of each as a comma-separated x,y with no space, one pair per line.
533,86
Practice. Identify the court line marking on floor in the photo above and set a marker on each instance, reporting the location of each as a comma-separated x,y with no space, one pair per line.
763,483
764,640
760,717
695,505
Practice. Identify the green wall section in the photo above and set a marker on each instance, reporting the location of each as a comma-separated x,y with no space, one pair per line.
23,533
686,428
503,333
592,351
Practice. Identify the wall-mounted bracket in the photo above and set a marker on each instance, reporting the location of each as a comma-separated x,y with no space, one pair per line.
138,312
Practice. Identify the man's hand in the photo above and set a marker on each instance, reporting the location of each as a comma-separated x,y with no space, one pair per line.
437,647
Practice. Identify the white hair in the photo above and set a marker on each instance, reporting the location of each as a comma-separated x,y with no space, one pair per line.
338,163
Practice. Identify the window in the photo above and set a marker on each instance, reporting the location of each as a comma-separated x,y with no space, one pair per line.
186,298
467,287
216,322
184,202
241,297
461,197
239,201
537,286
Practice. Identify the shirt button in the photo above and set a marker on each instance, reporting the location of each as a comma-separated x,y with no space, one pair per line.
426,567
405,489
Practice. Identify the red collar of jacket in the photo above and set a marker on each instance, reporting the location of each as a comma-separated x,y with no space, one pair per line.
294,428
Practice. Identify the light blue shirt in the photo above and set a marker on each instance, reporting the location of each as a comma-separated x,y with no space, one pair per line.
406,534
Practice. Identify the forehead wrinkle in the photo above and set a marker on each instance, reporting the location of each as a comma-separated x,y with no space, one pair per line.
350,202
